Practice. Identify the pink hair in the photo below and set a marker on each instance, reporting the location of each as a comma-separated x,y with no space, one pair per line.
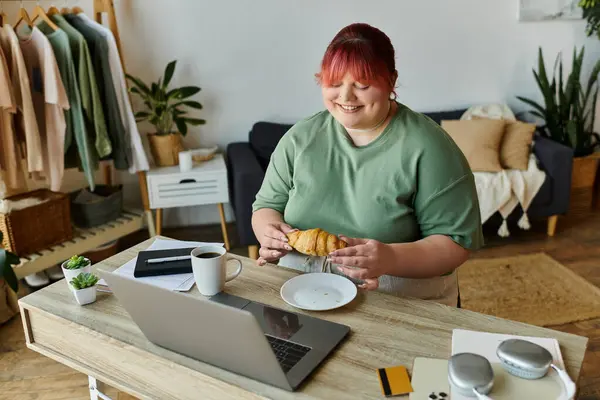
363,51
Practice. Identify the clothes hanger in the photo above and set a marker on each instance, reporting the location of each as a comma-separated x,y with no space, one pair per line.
52,11
77,10
23,16
38,11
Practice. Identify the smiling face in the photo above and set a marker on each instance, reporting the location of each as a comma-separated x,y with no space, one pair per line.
357,76
354,104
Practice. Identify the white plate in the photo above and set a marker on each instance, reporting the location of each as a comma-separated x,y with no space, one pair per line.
318,291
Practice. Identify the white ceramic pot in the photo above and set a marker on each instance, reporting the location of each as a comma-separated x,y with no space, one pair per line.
72,273
85,296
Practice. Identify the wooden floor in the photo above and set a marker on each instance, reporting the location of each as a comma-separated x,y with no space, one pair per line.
26,375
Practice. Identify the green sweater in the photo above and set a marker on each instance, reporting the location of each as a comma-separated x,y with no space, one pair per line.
98,46
88,89
412,181
75,122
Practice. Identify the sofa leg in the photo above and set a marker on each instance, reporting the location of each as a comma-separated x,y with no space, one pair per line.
253,252
552,224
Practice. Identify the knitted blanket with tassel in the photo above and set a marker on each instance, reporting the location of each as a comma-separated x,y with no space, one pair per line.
503,191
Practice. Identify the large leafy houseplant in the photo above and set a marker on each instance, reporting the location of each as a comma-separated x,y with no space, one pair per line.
166,109
569,106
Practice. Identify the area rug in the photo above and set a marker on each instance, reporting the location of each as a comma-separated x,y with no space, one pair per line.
534,288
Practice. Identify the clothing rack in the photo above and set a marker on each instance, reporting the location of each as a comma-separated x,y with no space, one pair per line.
88,239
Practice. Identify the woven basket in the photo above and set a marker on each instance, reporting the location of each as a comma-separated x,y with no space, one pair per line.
201,158
39,226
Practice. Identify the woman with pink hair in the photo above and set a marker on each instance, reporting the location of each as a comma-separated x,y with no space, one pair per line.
388,180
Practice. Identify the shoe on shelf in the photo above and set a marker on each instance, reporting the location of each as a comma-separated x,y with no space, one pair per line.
55,273
37,280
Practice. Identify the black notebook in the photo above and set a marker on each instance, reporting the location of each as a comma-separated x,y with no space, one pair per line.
142,268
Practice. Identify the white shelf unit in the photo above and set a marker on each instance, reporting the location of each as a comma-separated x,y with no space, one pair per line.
83,240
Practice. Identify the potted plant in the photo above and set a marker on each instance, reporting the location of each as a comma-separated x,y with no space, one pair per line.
569,113
165,110
75,266
84,288
8,283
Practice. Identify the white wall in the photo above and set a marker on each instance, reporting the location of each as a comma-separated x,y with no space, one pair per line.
255,60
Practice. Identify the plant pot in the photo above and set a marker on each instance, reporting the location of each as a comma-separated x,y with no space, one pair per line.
85,296
583,178
72,273
165,148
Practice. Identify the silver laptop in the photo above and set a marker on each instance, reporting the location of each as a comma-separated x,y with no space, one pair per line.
267,344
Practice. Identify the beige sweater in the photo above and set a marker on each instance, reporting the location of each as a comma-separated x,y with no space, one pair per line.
50,102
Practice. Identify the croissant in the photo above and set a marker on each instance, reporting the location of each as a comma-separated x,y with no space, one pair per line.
315,242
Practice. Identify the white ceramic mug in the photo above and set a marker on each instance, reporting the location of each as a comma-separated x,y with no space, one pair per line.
210,273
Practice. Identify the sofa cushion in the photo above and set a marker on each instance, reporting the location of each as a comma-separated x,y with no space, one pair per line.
516,145
479,140
263,139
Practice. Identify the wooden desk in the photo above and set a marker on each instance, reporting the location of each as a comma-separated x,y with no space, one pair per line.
101,340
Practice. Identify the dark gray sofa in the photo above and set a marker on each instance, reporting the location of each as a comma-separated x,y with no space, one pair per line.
247,161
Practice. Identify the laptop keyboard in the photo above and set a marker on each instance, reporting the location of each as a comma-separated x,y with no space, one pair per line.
288,353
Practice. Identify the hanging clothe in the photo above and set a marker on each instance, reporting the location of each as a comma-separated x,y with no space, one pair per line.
75,122
26,124
10,154
88,88
49,99
121,154
139,160
5,45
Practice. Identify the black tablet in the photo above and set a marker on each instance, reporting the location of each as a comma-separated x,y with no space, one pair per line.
163,262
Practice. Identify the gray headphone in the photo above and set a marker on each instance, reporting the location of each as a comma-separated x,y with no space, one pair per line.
472,375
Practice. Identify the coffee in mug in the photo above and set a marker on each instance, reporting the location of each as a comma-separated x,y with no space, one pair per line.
209,265
208,255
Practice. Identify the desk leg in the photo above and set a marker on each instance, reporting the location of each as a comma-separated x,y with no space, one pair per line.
146,202
224,226
96,387
158,221
150,221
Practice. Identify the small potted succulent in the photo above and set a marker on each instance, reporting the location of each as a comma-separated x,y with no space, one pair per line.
75,266
84,288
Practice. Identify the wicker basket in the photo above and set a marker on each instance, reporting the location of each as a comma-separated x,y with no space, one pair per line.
39,226
199,158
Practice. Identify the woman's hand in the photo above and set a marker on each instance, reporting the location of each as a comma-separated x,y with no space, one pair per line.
364,259
274,242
